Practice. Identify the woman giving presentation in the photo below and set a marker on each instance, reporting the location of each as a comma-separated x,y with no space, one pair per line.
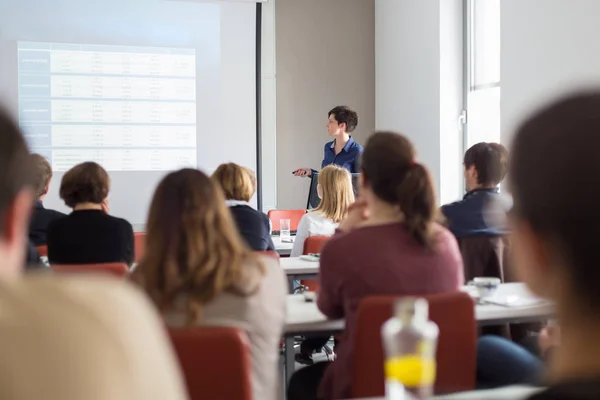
342,150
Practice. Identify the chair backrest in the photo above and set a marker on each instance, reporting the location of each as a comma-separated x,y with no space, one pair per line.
454,313
42,250
314,244
139,243
215,362
275,216
486,256
117,269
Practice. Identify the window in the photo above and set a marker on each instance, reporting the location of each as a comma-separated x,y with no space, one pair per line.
482,63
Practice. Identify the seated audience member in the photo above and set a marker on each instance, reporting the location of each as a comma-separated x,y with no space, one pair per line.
336,194
41,216
238,186
70,338
555,228
501,362
198,271
88,235
482,211
387,244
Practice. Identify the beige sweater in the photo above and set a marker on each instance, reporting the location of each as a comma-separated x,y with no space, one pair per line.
76,338
261,316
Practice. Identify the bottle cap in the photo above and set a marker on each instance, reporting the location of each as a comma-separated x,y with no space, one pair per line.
412,308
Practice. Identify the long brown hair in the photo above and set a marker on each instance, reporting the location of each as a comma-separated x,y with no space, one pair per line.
389,168
336,184
192,245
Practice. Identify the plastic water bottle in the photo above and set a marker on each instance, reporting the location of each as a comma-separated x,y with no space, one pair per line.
409,341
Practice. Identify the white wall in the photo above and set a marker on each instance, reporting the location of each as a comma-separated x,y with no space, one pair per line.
548,47
418,64
325,58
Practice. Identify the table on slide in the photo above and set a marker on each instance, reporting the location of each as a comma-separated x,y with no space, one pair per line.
304,318
129,108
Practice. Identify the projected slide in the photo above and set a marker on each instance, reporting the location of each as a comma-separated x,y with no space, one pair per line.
127,108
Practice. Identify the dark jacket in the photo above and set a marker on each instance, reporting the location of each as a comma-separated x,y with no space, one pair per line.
481,212
40,219
90,237
254,227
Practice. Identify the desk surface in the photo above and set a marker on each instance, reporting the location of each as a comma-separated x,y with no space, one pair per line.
283,248
297,266
305,317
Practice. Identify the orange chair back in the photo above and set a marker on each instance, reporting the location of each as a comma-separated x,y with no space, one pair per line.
117,269
139,244
215,362
42,251
293,215
454,313
313,244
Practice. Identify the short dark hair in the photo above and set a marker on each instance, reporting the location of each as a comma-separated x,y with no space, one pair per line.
42,173
345,115
388,166
15,168
85,183
490,161
553,175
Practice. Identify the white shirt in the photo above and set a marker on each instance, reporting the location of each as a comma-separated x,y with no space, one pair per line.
312,224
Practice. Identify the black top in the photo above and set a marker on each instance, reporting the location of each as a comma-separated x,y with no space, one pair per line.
40,219
90,237
254,227
589,390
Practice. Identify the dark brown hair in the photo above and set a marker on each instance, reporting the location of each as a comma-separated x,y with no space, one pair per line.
235,181
389,168
15,168
193,246
345,115
42,173
554,174
490,161
87,182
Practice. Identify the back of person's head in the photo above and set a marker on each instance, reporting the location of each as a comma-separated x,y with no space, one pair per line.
42,174
490,161
87,182
390,171
345,115
193,247
556,192
235,181
16,195
336,191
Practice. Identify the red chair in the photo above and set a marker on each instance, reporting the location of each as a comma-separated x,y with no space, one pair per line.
139,245
215,362
42,250
313,245
454,313
117,269
293,215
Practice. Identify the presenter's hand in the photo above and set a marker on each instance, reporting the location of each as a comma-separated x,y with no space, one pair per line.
303,172
357,214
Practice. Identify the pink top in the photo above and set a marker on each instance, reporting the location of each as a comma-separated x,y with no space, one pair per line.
378,260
